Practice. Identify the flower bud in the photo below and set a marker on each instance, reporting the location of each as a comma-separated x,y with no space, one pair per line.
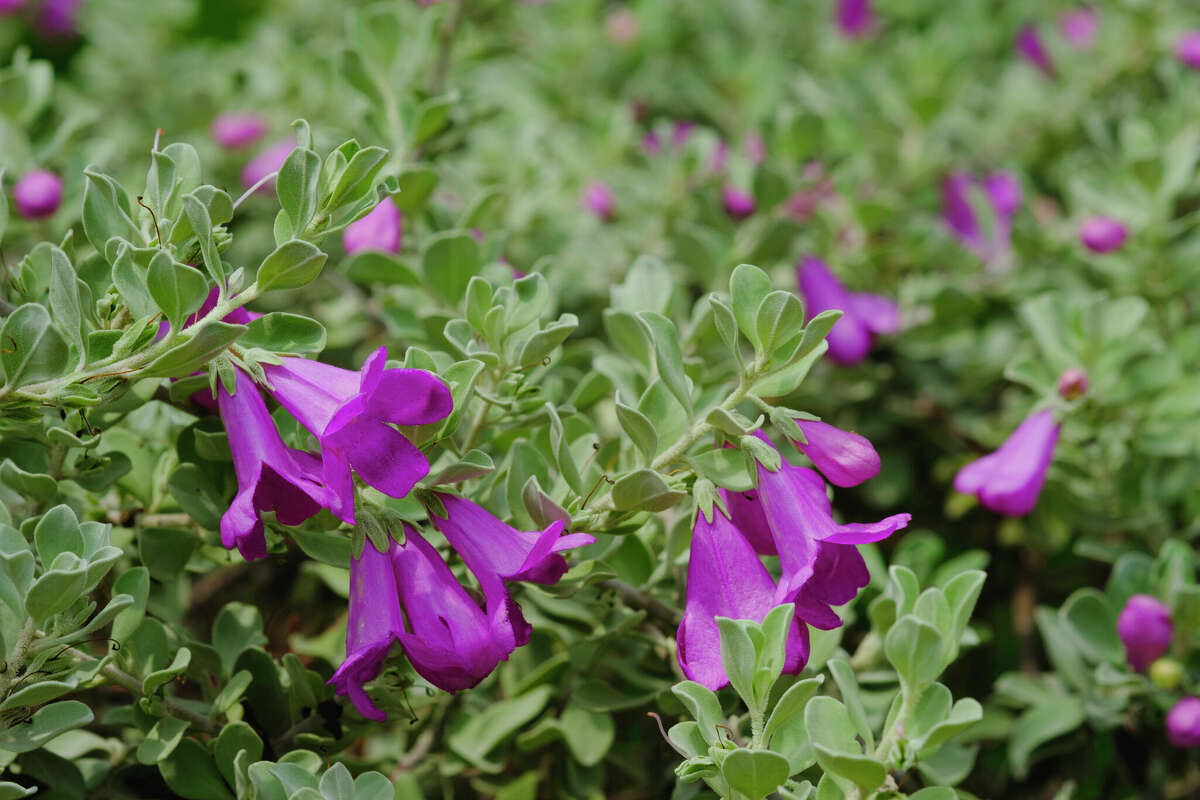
1102,234
598,199
1145,628
1188,49
1029,47
738,204
237,129
1166,673
38,194
1183,723
1072,383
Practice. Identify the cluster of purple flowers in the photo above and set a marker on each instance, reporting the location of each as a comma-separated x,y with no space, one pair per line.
790,516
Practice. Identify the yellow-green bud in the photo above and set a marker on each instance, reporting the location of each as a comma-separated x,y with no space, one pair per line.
1166,673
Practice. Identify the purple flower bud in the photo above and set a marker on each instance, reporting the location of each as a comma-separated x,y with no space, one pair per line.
854,17
57,18
266,162
1072,383
1188,49
843,457
1102,234
237,129
598,198
756,151
1183,723
1144,626
1079,27
1029,47
379,230
863,315
1009,480
738,204
38,194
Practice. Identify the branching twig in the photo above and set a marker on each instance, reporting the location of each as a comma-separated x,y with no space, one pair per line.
636,598
126,681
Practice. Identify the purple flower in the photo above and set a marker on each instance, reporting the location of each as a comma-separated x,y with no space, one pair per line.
1144,626
726,579
681,132
1102,234
1029,47
236,129
266,162
489,545
1188,49
756,151
1072,383
1183,723
351,414
379,230
271,476
651,143
738,204
1079,26
1002,192
843,457
57,18
11,6
37,194
598,198
1009,480
854,17
863,315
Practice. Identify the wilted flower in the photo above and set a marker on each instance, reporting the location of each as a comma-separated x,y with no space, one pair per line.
1072,383
1009,480
271,476
37,194
1145,628
1183,723
266,162
863,315
738,204
854,17
378,230
1079,26
726,579
843,457
598,198
1102,234
1188,49
236,129
351,414
1002,192
1029,47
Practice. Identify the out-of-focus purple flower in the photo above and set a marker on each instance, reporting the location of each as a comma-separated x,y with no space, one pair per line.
756,151
863,315
57,19
622,26
266,162
1002,192
11,6
1145,628
843,457
37,194
598,198
1102,234
1183,723
1029,47
651,143
681,132
379,230
1009,480
351,414
271,476
1188,49
1072,383
235,129
726,579
1079,26
490,545
854,17
738,204
720,154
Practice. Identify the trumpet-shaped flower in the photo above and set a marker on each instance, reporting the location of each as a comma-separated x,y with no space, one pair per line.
843,457
726,579
863,315
351,414
271,476
1009,480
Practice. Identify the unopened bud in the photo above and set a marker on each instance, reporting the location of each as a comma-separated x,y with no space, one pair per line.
1072,383
1166,673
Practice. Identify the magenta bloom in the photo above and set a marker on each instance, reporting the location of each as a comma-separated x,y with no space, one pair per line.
351,414
1188,49
1183,723
37,194
864,316
1102,234
1145,628
489,545
57,18
1079,27
598,198
726,579
738,204
271,476
236,129
266,162
378,230
1029,47
843,457
1009,480
854,17
1072,383
1002,192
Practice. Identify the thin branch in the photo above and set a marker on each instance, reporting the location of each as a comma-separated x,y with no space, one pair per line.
126,681
636,598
